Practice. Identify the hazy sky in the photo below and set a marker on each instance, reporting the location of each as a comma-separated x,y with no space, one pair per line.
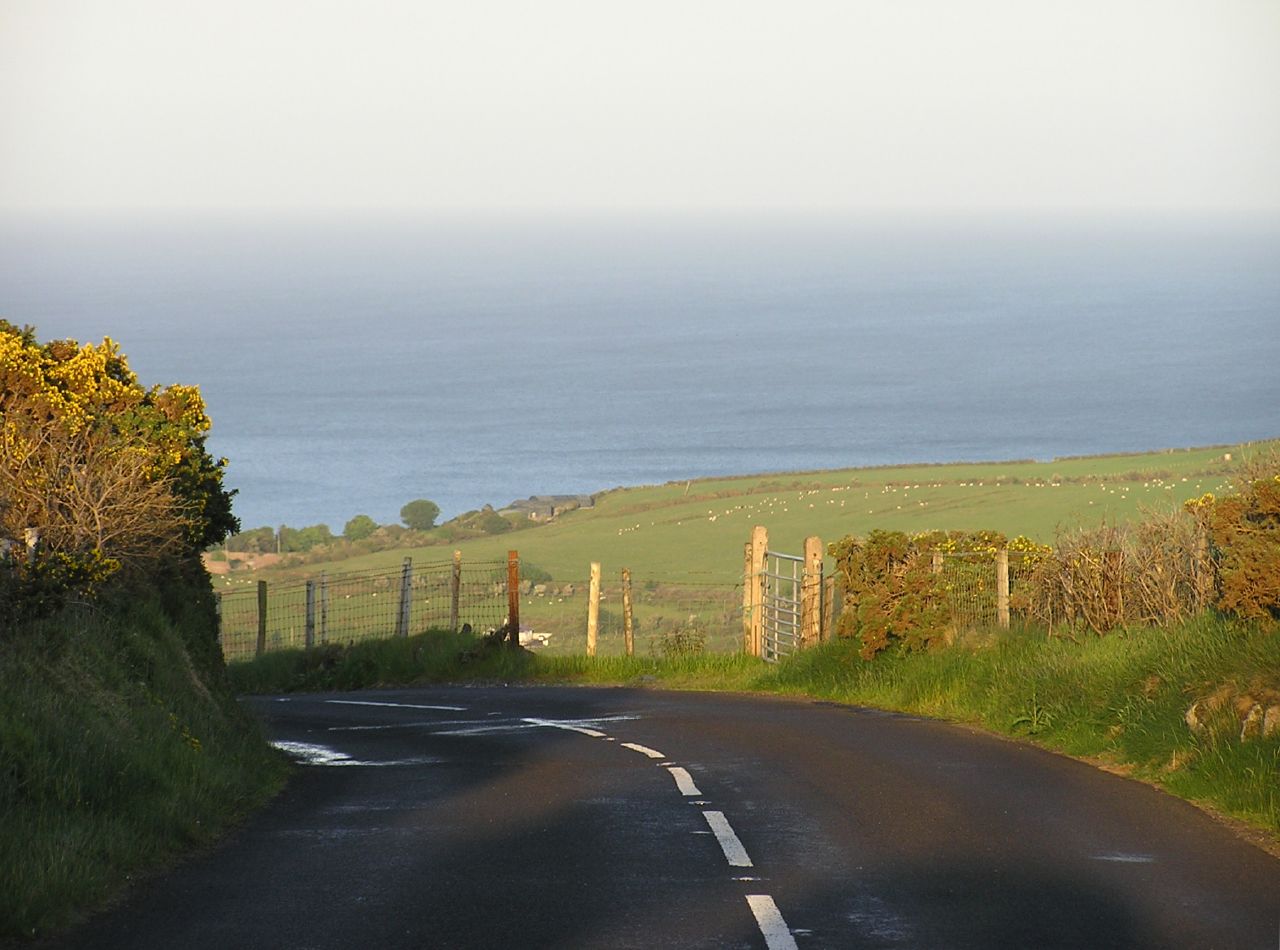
950,105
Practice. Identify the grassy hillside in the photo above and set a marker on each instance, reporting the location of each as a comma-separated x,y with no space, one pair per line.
684,542
695,531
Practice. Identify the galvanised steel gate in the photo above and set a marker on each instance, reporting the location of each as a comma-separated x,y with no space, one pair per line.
782,578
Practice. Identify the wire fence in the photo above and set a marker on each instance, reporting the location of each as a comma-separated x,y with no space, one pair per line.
362,605
670,615
971,586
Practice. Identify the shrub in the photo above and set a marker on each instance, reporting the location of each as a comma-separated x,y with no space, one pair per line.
1244,538
894,596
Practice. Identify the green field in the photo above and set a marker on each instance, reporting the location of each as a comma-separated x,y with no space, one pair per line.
683,542
695,532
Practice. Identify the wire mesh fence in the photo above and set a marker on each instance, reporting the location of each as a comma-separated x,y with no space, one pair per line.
363,605
669,615
970,584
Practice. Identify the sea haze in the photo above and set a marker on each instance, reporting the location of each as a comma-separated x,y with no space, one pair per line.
353,365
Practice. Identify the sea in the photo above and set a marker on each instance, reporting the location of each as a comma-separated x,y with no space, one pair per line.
352,363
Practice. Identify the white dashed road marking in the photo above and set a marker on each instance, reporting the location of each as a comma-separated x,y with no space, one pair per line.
733,850
777,936
643,750
684,781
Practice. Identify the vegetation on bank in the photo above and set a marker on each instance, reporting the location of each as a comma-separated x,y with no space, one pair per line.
121,743
121,747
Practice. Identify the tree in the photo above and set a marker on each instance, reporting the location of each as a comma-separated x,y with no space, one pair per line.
420,515
359,528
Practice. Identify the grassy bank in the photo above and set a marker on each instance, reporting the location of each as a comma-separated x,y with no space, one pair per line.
1119,700
121,746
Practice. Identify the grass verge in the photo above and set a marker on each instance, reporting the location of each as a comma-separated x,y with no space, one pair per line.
1119,700
121,746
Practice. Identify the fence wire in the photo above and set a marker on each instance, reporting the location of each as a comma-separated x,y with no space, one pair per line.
364,605
670,616
969,584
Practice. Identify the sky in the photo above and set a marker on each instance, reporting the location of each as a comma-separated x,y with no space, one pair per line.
174,106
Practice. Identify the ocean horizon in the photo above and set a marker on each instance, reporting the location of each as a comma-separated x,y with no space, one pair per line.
352,365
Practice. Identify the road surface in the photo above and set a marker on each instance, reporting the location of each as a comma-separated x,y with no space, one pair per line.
567,817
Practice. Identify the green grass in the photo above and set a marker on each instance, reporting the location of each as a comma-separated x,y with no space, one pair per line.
696,532
121,746
1118,700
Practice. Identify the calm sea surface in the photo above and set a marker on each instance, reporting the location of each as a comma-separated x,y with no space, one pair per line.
351,366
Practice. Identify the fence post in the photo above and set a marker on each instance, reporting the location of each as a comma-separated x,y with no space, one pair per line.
746,598
217,613
593,609
324,608
828,606
406,598
262,618
1002,588
936,561
513,597
811,593
628,631
759,545
310,636
455,591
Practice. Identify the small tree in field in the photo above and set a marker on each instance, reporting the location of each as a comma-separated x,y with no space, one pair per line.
359,528
420,515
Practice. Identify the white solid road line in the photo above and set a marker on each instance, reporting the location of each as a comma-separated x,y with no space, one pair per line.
684,781
733,850
594,733
643,750
777,936
356,702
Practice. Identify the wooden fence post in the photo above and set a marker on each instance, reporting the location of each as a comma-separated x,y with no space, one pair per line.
828,606
455,590
936,562
1002,588
811,593
262,618
513,597
324,608
628,631
406,598
309,638
746,598
755,580
593,609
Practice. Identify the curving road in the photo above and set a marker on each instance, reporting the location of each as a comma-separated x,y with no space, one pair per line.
548,817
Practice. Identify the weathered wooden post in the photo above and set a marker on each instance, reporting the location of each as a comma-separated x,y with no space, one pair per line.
513,598
755,583
628,631
309,638
811,593
324,608
936,561
455,590
262,618
1002,588
593,609
828,606
406,598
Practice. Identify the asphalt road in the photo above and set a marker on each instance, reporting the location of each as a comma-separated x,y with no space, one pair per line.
545,817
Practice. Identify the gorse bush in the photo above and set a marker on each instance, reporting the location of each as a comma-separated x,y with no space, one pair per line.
108,476
1243,530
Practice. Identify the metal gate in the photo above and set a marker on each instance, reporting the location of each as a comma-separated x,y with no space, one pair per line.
783,577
